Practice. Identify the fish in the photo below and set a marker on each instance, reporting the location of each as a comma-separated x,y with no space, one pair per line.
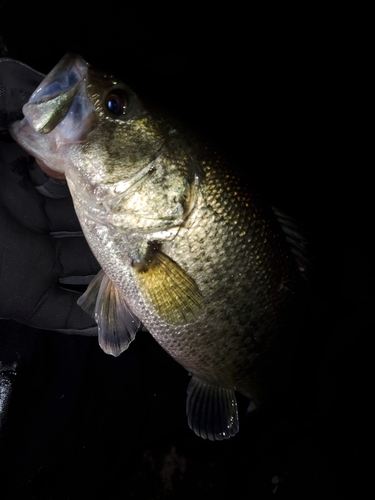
188,251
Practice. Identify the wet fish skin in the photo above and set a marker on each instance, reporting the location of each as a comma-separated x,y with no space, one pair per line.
187,249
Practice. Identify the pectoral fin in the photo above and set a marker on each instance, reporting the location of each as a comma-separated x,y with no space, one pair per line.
172,292
211,410
117,325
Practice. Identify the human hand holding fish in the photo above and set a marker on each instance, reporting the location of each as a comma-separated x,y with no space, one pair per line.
42,248
186,248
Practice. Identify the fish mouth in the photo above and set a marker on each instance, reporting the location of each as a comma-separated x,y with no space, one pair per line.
58,93
58,114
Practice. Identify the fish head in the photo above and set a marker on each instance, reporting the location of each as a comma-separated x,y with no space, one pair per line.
85,119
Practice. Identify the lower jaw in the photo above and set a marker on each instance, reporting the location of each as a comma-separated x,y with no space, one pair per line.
49,171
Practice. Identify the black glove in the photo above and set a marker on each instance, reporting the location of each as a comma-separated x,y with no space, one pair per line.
44,258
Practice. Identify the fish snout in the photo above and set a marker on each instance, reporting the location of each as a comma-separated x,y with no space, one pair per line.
61,100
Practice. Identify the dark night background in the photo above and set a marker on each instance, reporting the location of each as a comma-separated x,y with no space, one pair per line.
284,94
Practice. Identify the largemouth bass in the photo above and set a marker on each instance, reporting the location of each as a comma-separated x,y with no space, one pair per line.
186,248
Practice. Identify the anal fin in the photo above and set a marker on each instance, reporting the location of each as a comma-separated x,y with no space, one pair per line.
211,410
117,325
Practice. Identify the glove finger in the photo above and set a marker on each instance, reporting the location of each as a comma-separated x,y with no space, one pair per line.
17,82
17,194
61,215
46,185
18,181
68,317
75,258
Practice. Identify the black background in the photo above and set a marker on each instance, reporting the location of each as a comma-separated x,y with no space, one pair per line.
285,94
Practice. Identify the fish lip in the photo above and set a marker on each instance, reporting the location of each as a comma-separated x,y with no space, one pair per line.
24,134
49,171
71,69
58,115
52,99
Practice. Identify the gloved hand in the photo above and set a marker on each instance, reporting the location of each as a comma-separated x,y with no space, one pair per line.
44,257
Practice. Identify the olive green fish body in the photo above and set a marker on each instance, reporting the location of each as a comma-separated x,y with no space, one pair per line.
186,248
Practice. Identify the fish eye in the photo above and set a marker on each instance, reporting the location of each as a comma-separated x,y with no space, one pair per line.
116,102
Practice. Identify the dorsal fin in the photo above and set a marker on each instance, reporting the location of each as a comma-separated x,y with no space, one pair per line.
297,239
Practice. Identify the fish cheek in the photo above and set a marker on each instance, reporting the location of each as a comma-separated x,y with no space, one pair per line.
172,293
127,148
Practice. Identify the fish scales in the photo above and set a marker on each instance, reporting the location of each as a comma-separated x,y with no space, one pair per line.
186,248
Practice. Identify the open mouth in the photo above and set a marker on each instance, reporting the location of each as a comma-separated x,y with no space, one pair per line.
57,116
